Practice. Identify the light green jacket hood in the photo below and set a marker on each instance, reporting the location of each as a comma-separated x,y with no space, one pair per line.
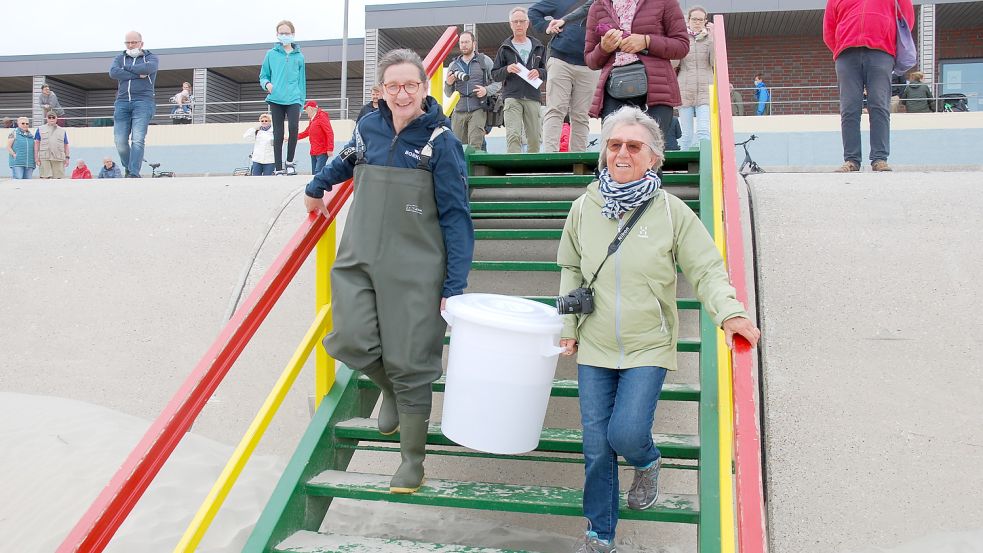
635,322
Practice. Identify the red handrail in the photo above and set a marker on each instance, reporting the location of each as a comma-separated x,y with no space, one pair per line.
751,529
99,523
103,518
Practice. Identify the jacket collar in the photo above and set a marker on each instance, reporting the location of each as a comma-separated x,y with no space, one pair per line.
279,48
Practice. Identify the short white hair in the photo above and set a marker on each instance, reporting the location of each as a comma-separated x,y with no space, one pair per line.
631,115
518,9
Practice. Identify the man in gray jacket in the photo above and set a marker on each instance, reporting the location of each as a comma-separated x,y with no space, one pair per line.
468,119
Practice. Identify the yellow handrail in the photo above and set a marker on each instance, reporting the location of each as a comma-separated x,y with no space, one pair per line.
324,367
220,490
725,399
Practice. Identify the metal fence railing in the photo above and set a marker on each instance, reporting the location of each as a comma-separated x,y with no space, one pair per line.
790,100
241,111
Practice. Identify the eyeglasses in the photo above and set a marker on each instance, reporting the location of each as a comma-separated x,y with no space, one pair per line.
699,19
52,117
25,123
614,146
128,42
411,87
517,21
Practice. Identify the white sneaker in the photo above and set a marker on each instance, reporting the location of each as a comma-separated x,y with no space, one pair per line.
291,170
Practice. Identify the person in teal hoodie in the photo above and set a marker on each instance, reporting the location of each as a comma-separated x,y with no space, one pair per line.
284,78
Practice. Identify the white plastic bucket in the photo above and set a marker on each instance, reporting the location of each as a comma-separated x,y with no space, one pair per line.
500,371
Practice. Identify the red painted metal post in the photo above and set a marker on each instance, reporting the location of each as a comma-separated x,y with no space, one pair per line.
99,523
751,529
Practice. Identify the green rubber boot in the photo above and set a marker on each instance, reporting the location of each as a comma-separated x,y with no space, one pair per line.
412,449
388,416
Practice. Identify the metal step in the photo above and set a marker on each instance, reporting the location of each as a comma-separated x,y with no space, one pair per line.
553,440
545,500
568,388
306,541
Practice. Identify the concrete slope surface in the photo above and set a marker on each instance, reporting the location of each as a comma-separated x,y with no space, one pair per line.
869,292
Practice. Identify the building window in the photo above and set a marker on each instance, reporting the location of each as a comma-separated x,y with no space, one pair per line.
963,77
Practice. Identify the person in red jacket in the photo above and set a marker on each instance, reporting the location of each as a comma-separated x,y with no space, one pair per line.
624,33
862,35
321,134
81,171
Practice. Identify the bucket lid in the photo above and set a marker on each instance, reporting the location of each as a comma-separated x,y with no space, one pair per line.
507,312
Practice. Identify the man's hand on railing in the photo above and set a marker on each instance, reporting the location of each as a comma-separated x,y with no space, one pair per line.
316,204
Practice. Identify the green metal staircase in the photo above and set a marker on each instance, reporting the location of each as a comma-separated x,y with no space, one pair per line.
515,198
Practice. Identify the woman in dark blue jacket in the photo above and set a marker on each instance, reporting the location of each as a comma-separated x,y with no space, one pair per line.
406,247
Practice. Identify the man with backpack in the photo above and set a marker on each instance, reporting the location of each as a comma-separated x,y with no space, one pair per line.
470,75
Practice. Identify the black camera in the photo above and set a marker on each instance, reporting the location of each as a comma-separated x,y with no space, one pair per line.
579,301
461,75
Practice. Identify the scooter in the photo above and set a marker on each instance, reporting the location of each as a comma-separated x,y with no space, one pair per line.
749,166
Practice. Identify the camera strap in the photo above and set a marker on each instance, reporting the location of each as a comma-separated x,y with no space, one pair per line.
620,237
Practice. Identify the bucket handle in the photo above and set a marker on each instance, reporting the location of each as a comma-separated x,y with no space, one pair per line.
549,350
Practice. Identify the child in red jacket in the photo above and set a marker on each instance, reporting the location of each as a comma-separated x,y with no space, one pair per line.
321,135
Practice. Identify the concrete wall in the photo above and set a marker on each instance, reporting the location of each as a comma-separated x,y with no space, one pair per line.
933,139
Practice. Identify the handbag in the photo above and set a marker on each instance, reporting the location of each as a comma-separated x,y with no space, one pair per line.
905,54
627,81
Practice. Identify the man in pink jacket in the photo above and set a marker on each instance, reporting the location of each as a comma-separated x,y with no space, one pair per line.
862,35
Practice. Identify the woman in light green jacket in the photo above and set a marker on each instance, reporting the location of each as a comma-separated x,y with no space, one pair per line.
626,345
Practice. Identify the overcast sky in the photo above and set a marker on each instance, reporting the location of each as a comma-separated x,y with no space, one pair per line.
99,25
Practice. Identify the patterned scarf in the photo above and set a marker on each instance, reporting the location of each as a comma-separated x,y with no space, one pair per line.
626,15
621,198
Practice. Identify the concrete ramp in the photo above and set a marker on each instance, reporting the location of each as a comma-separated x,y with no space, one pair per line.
870,288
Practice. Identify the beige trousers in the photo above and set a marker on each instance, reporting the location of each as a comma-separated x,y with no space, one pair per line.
569,91
469,127
52,169
522,115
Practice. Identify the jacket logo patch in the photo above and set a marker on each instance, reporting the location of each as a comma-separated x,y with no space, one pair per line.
413,208
643,232
415,154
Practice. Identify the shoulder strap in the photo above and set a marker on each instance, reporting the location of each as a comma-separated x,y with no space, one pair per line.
427,152
620,237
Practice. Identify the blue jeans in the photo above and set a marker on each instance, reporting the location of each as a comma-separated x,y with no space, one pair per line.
617,409
857,69
21,172
261,169
130,121
686,113
318,162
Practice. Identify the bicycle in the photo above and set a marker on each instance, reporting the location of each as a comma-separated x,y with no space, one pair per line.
749,166
155,174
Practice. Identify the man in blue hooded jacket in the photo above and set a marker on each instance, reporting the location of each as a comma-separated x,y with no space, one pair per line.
136,71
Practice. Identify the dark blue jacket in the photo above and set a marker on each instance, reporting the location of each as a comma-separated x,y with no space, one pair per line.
127,71
384,147
568,45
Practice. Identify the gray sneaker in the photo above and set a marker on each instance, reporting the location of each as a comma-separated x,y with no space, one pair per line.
592,544
645,487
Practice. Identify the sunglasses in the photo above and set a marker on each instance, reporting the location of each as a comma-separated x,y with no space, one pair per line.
52,118
633,146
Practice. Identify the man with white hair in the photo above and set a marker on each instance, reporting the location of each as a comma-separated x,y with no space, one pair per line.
136,71
524,55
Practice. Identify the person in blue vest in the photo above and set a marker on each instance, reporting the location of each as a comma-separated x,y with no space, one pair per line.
20,150
406,248
284,77
135,70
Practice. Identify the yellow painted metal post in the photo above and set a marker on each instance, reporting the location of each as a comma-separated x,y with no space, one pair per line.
725,401
324,366
437,85
451,103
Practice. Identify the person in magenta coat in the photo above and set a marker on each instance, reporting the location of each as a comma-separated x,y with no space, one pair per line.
862,35
647,32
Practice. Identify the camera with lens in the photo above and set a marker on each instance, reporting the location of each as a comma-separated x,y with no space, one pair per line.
578,301
461,75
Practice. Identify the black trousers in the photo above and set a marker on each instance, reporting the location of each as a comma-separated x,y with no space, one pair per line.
660,112
291,113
